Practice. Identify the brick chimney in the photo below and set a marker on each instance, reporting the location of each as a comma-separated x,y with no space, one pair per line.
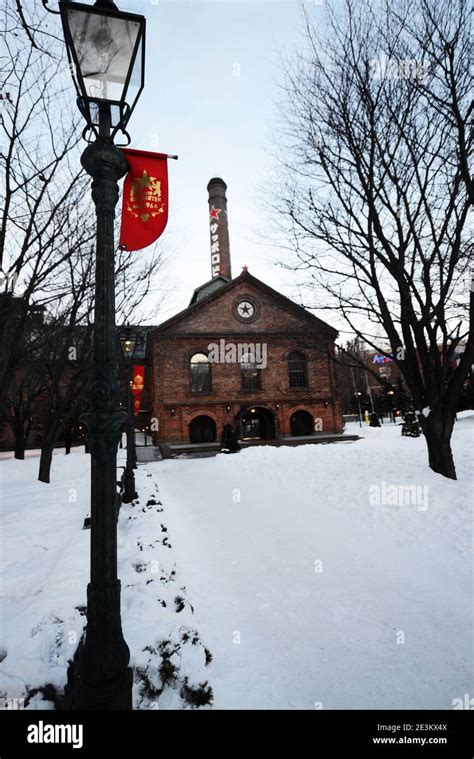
219,228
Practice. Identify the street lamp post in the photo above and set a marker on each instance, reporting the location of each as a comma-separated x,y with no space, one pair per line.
105,47
357,395
390,394
128,342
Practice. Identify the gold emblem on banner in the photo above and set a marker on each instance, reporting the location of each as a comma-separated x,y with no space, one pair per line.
145,197
137,383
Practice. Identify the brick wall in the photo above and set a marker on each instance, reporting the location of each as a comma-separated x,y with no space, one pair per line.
280,328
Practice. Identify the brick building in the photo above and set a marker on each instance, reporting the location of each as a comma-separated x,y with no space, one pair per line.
241,354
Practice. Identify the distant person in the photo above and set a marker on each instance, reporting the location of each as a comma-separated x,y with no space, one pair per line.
374,420
229,440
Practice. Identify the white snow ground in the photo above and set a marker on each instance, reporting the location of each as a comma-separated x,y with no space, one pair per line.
45,570
316,579
250,531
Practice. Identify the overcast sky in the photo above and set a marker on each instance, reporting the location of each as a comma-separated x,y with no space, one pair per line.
212,76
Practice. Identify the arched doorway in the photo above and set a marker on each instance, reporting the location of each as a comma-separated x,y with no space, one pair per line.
202,430
257,423
301,423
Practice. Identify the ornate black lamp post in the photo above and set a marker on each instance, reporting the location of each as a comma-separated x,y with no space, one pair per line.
106,51
128,342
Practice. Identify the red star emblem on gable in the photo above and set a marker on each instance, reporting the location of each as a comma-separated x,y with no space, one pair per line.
214,213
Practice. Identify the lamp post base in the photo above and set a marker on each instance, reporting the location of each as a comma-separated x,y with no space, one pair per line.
99,676
112,695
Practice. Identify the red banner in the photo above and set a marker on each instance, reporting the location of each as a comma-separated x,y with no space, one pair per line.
138,382
145,199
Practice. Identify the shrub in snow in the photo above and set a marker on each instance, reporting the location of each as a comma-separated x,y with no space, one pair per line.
200,695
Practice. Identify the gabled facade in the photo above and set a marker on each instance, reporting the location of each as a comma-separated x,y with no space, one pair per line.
246,356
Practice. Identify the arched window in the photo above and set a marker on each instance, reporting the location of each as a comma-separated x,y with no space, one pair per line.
297,369
250,373
201,379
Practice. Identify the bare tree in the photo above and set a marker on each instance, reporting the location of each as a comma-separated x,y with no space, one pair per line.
42,219
48,229
25,389
64,353
351,378
377,189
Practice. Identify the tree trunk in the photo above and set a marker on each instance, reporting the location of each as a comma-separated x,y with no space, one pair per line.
45,463
438,428
49,440
20,442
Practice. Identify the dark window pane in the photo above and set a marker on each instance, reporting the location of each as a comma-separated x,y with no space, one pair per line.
251,375
297,369
201,380
251,380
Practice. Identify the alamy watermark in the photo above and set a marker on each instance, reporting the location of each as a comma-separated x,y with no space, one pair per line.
238,353
48,733
384,67
11,703
463,703
386,494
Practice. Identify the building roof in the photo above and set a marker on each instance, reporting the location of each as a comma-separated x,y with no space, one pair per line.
203,300
208,288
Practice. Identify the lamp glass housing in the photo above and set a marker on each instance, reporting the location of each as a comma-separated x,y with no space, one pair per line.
106,52
128,341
